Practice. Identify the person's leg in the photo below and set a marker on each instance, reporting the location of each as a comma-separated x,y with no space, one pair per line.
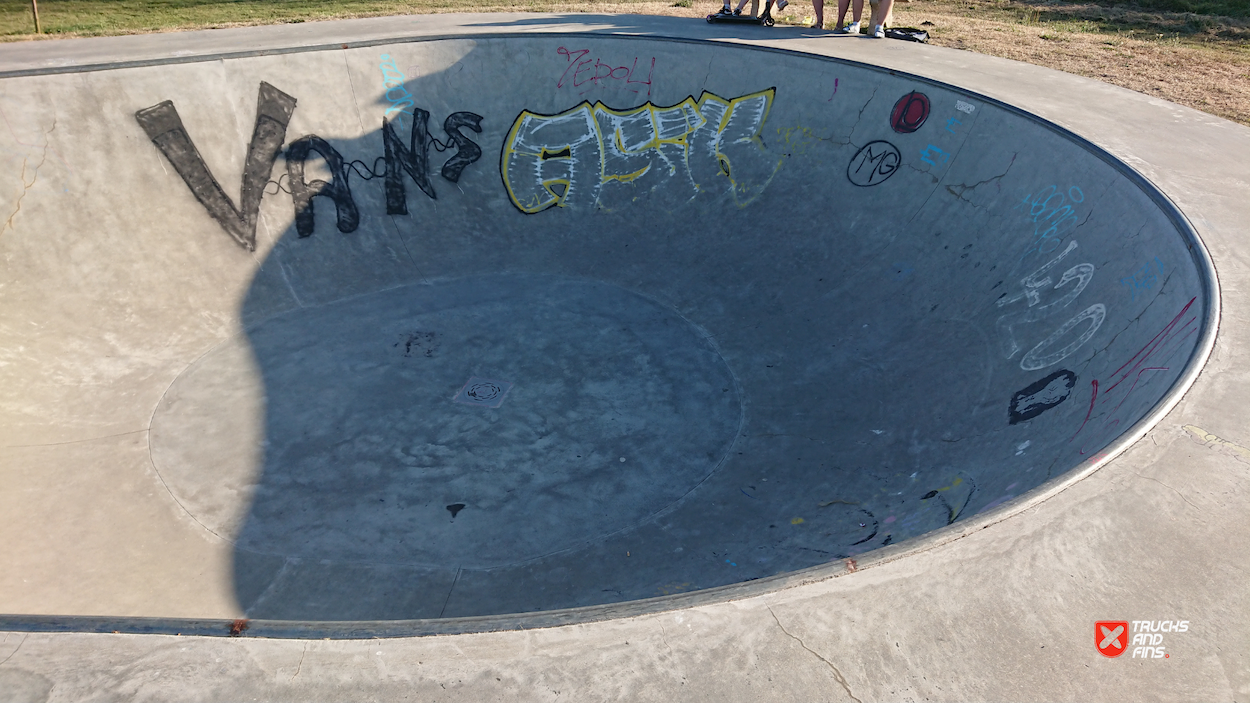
883,11
819,7
842,5
856,12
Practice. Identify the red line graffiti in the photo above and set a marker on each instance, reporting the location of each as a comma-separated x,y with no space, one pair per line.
583,69
1160,346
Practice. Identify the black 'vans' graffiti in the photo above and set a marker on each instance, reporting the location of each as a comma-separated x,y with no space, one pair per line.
414,158
467,151
273,111
338,189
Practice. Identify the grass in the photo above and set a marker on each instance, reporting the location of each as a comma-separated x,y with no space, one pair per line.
110,17
1193,52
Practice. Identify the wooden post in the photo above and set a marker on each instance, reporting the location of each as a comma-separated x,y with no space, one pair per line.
34,7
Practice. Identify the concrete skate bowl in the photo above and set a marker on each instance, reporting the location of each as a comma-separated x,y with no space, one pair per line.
590,320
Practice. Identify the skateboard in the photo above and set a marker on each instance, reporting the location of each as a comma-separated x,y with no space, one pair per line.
765,18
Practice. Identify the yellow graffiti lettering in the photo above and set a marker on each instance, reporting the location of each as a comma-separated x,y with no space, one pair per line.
568,159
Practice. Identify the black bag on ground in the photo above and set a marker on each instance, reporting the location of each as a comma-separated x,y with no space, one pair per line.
907,34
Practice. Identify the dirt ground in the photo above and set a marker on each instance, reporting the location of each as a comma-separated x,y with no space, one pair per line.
1208,71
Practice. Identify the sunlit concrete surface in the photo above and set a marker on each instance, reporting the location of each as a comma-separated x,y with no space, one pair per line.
856,370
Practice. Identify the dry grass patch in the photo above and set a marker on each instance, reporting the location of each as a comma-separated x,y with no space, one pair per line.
1208,70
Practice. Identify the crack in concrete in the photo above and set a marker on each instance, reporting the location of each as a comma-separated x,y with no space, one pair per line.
276,255
965,188
785,434
15,649
351,85
1085,221
937,180
25,189
664,639
300,667
156,470
76,441
836,674
1050,468
1137,319
286,566
450,589
1154,299
404,242
860,117
1105,189
43,157
1182,496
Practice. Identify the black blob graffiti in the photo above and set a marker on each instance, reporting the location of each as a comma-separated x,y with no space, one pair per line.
420,343
455,508
875,527
910,112
302,192
952,512
1040,396
273,112
873,164
467,151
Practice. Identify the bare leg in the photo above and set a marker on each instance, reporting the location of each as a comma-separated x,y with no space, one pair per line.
819,7
842,5
857,10
883,11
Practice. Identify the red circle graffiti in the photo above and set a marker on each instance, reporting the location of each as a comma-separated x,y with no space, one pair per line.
910,112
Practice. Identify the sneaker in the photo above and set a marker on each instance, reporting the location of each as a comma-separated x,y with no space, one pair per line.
781,4
725,11
879,32
852,28
737,12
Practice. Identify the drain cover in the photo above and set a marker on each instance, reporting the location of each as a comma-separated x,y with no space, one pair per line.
483,392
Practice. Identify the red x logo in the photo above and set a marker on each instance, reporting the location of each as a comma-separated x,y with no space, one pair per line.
1111,637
